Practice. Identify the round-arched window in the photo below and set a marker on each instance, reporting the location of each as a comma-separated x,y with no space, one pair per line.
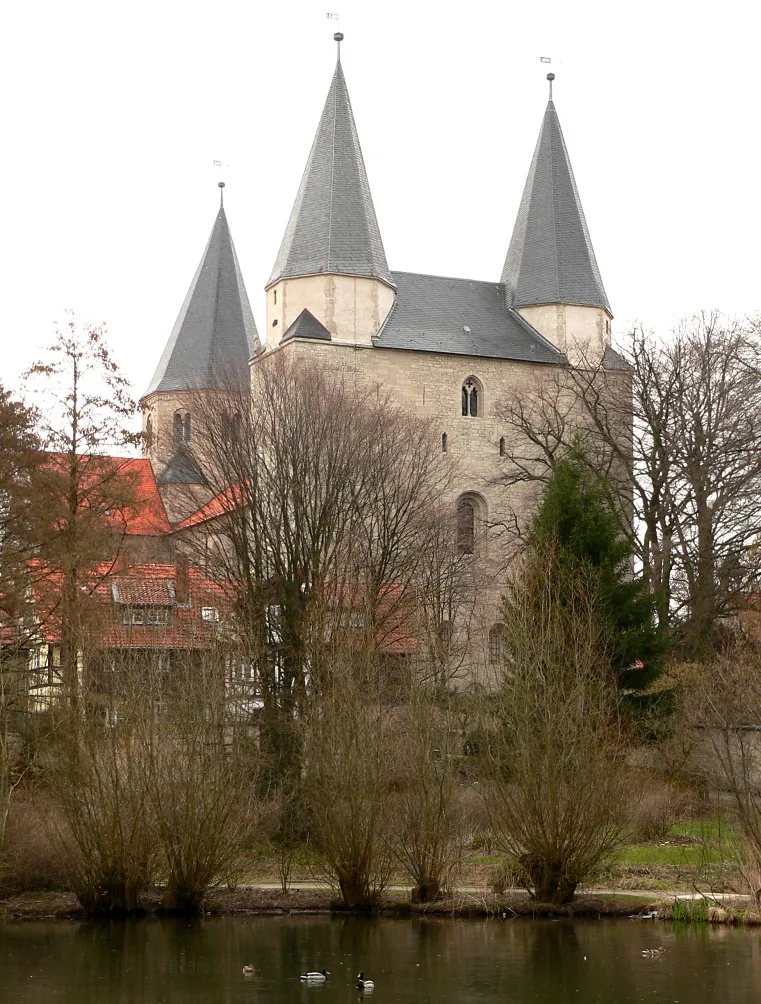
471,522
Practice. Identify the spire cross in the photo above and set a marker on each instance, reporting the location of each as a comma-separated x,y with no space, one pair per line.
221,185
338,38
550,77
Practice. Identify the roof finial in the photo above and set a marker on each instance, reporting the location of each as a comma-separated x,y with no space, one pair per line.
550,77
338,38
221,185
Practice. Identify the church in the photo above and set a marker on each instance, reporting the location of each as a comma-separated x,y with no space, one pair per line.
448,349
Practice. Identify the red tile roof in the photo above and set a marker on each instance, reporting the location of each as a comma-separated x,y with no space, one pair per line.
225,502
142,585
146,517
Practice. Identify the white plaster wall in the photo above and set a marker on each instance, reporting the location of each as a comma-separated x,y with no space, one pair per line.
351,307
583,333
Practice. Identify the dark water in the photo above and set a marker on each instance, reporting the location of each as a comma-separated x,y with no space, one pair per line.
441,961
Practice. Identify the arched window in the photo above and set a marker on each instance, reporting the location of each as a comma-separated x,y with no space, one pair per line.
181,427
471,397
466,526
495,645
501,446
443,442
148,440
471,519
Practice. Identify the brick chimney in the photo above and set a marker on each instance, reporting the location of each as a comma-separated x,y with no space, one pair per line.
181,580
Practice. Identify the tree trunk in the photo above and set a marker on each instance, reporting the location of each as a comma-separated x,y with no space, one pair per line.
181,898
548,879
427,891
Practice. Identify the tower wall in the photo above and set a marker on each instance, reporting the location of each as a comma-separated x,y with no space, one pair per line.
351,307
582,333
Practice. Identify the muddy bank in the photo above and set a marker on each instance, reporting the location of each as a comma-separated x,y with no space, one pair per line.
255,900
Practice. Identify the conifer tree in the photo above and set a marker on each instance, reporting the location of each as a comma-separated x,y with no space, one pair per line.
579,513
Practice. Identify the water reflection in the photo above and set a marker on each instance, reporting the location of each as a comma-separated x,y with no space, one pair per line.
440,961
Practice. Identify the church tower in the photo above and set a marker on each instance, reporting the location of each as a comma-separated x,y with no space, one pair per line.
550,274
209,349
331,267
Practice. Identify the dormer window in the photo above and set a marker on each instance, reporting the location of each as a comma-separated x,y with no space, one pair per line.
471,397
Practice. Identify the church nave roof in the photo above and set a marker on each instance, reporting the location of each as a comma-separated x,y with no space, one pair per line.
467,317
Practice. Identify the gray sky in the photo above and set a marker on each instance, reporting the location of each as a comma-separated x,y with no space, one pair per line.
114,114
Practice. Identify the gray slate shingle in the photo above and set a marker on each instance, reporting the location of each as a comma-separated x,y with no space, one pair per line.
214,335
182,469
550,258
432,313
306,325
333,227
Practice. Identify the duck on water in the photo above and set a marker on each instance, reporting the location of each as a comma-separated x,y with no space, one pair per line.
367,986
319,977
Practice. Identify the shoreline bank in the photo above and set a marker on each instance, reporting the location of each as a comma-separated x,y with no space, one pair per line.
262,901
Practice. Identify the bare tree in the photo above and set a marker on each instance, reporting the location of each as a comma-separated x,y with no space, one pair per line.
104,828
201,780
19,459
325,493
83,496
349,766
674,426
723,704
426,819
557,784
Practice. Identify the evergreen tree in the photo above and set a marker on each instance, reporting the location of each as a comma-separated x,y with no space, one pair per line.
578,512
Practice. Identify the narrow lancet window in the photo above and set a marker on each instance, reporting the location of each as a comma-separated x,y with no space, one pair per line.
471,392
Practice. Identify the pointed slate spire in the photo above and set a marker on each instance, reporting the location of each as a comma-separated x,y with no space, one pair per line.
550,258
333,227
214,335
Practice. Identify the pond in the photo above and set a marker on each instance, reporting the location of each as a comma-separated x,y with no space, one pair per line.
441,961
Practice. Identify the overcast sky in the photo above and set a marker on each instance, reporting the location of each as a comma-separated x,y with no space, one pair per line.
114,114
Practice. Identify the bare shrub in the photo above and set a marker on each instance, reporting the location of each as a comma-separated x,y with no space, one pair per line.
659,807
726,700
201,784
349,760
105,831
559,790
425,819
31,860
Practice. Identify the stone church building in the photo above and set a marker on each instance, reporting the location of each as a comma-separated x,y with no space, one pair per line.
447,348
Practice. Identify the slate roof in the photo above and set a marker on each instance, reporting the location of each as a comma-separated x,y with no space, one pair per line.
182,469
460,316
613,360
306,325
550,258
333,227
214,335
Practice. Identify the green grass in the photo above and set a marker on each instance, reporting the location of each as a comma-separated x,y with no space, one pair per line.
665,855
718,828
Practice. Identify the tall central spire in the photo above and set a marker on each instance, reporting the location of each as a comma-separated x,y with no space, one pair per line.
550,258
333,227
